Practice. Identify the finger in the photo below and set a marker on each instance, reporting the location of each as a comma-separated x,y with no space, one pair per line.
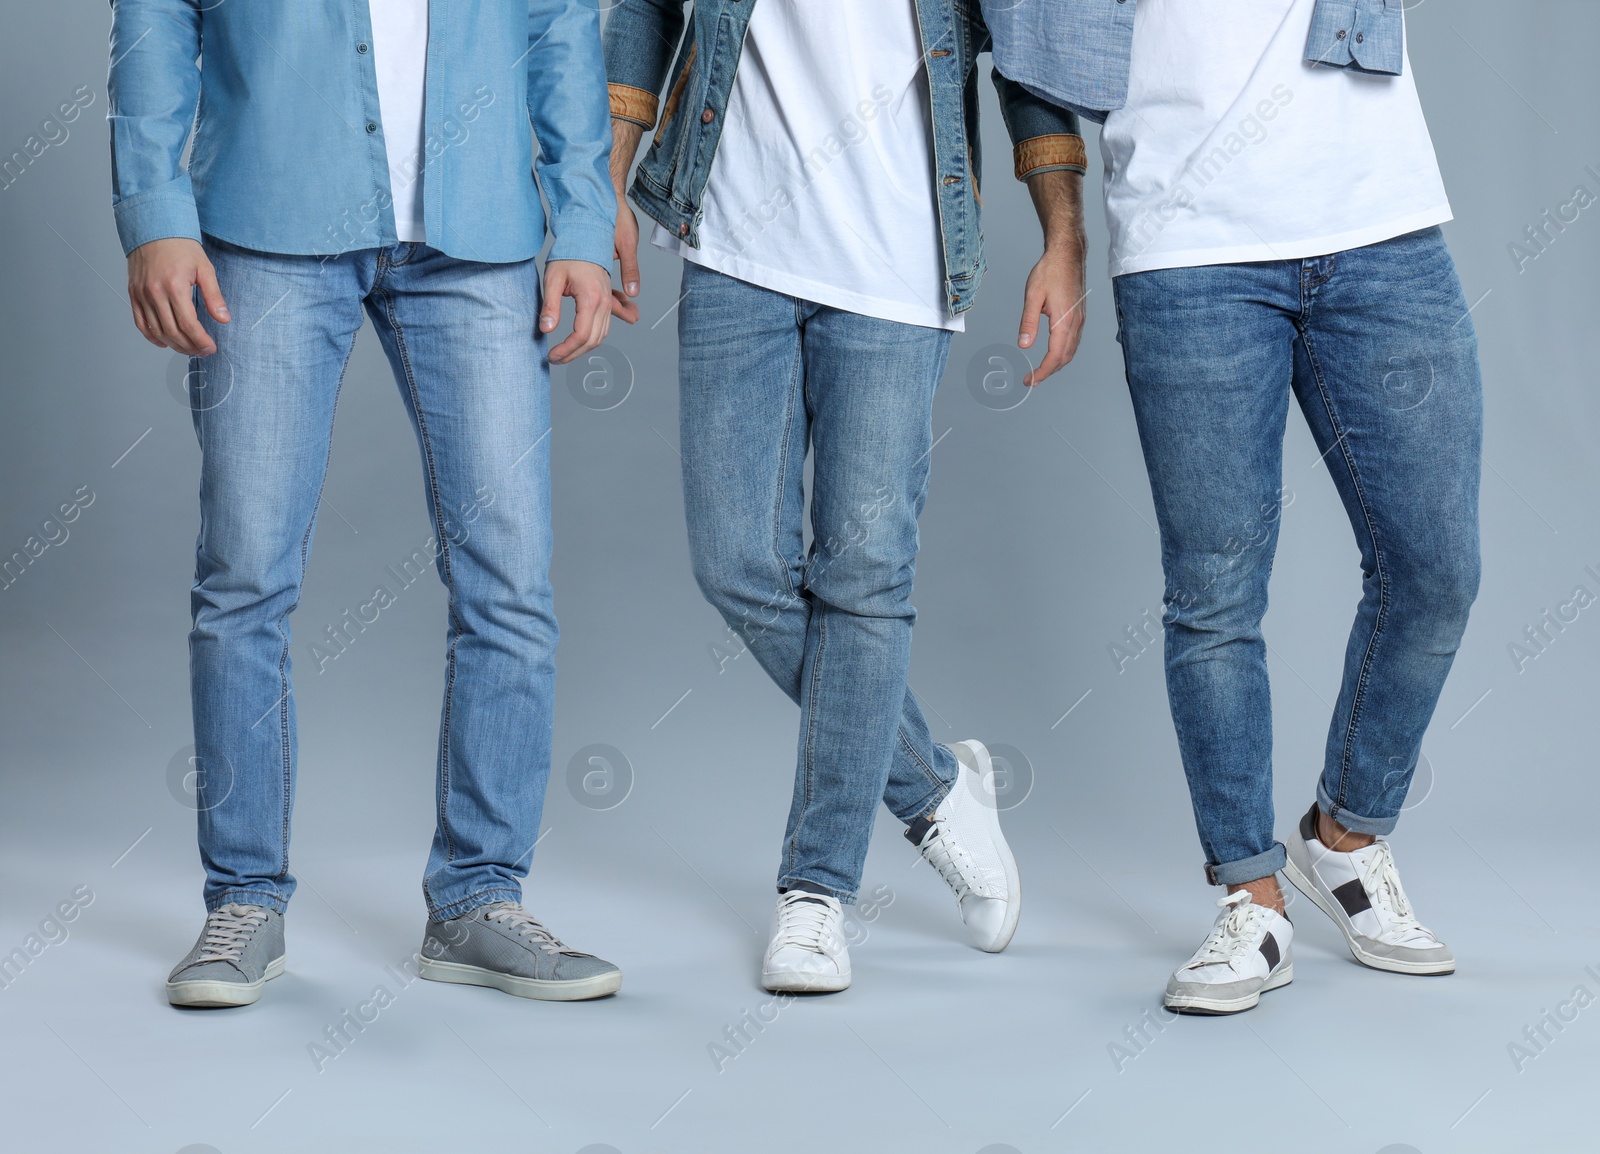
1065,327
555,283
211,291
142,320
576,339
1032,303
167,326
199,341
623,308
628,256
582,338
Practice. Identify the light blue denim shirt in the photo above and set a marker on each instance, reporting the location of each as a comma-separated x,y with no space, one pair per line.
1076,52
288,154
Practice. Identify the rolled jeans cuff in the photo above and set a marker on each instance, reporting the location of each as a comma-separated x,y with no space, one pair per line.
806,885
1250,869
275,902
1353,821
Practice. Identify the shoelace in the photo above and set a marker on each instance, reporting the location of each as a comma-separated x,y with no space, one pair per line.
527,926
1381,879
1231,936
228,931
803,921
954,863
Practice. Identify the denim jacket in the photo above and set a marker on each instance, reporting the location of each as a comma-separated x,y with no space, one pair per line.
1087,68
639,39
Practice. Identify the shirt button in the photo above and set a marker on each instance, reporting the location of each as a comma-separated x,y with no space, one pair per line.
1341,34
362,48
371,127
1361,37
707,116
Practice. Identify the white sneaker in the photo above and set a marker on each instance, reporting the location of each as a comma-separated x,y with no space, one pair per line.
807,953
962,840
1246,954
1361,892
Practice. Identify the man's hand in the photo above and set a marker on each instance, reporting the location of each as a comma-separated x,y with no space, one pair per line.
1055,286
589,286
161,279
625,137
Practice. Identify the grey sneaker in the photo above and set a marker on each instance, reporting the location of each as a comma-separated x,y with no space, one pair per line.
504,947
238,952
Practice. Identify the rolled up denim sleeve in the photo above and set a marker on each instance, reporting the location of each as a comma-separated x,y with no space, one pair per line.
1044,136
154,87
640,38
567,106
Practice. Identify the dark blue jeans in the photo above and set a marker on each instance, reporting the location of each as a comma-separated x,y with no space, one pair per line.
1377,347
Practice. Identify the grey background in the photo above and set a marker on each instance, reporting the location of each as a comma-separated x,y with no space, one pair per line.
1038,553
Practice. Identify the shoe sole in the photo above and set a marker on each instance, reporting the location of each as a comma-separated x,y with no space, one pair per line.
985,770
1215,1007
541,990
1352,939
219,995
803,983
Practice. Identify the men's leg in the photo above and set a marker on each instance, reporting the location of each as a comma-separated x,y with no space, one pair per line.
745,427
1209,354
263,408
869,387
472,370
1387,375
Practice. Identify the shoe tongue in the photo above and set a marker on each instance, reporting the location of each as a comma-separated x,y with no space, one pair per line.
917,830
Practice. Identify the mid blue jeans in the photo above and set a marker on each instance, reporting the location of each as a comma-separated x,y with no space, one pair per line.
1378,348
472,372
763,377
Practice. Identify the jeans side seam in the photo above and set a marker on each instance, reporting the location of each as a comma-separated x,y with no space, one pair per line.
1380,571
444,557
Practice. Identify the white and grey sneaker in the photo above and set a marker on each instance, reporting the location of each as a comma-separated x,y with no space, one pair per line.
963,842
1361,892
807,952
239,951
1246,954
504,947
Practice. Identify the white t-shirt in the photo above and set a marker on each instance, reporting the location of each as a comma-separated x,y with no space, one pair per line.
1232,149
400,57
822,186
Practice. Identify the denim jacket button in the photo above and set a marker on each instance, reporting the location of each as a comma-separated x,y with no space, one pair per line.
707,116
683,229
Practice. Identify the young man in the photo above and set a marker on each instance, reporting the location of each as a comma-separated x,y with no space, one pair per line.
1274,205
352,157
815,166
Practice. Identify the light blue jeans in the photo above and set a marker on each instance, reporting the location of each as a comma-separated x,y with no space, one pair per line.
763,378
1377,346
472,371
